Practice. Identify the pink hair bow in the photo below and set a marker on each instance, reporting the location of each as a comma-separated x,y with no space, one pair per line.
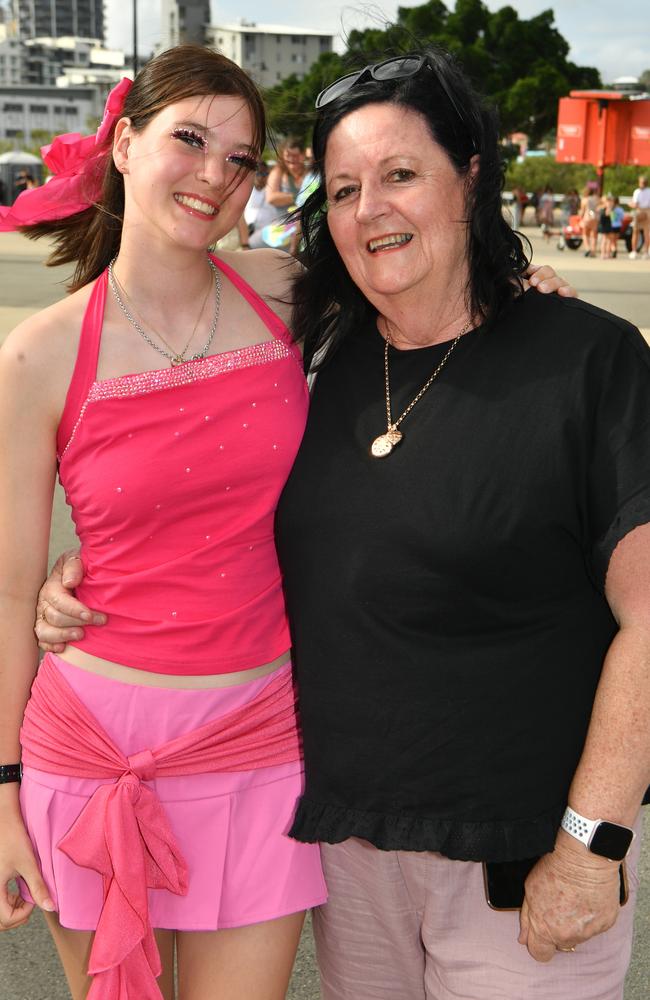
77,164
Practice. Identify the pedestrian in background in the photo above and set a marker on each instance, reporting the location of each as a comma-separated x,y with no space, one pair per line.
589,206
259,212
547,207
641,223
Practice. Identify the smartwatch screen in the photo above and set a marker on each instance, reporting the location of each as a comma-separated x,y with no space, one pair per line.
611,841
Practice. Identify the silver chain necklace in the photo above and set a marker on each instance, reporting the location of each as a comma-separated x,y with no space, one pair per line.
176,359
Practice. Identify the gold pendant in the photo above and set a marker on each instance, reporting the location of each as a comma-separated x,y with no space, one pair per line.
178,360
384,444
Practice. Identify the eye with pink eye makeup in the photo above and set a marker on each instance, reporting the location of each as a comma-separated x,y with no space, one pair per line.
243,160
246,161
191,138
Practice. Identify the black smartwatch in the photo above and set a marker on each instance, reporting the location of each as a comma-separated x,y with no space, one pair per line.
609,840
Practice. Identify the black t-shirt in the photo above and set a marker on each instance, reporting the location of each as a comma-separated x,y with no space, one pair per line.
446,602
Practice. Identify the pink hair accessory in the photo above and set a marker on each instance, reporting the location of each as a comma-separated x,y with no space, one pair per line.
77,164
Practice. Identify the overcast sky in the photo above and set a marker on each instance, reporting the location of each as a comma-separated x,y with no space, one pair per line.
611,38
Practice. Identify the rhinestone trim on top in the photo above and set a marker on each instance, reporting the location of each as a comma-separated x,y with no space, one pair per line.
191,371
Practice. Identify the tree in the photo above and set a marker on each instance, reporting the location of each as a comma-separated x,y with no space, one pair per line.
290,104
521,65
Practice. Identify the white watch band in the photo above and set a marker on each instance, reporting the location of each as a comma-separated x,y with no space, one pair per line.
578,826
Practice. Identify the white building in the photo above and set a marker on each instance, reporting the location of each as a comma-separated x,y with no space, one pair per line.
30,111
12,58
71,60
270,52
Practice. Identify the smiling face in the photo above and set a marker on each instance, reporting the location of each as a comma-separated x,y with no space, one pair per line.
189,172
293,158
396,204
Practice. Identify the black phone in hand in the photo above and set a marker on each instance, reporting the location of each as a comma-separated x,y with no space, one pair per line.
504,883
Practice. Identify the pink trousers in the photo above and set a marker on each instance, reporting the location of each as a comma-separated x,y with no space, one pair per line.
404,925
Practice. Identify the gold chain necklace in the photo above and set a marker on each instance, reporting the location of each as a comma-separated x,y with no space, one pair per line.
382,445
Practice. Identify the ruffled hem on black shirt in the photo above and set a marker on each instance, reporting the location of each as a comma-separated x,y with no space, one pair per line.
460,841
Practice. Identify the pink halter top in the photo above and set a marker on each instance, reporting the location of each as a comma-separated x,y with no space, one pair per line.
173,477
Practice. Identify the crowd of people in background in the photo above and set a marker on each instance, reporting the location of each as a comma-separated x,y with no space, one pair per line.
24,181
270,218
599,219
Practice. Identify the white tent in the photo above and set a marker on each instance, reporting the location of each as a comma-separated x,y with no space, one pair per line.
20,158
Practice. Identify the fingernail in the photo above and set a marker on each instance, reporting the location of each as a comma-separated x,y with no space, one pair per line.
76,635
99,619
68,581
48,905
86,615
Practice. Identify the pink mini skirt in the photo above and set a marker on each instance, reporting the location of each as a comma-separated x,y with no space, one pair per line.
231,827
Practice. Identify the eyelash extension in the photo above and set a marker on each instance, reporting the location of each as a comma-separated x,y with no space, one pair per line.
189,136
245,160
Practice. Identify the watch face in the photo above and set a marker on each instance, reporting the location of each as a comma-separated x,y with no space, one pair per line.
611,841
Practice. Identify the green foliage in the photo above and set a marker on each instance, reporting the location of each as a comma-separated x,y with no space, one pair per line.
644,79
624,179
290,104
39,138
537,172
521,65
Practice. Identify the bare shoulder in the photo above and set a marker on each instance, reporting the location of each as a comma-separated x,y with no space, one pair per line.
271,273
41,351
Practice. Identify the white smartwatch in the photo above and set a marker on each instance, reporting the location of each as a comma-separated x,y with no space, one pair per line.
609,840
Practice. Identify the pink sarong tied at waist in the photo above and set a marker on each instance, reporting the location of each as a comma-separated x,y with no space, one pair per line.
123,833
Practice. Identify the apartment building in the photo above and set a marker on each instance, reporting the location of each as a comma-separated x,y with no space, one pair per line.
270,52
56,18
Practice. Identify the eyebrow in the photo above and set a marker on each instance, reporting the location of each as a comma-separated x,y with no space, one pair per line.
382,163
204,128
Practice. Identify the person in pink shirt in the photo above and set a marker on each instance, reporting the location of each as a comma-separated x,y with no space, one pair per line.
161,757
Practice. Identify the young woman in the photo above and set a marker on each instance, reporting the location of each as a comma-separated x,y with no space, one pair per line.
589,205
161,754
287,175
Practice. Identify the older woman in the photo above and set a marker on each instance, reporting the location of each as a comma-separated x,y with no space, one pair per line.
464,542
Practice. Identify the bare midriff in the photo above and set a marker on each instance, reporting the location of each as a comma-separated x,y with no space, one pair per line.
145,678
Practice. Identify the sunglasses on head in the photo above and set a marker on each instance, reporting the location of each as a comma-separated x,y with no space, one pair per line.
395,68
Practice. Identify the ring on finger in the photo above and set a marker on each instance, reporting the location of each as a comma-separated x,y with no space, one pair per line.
573,948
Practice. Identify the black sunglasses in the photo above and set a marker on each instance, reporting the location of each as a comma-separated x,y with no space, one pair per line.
395,68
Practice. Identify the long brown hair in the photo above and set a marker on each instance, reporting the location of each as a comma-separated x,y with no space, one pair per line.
91,238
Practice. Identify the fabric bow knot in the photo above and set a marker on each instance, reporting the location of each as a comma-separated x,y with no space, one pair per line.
123,832
77,164
124,959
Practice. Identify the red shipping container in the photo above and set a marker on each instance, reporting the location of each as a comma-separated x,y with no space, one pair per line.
603,128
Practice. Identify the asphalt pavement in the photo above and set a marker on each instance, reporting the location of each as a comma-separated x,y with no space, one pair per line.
29,969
